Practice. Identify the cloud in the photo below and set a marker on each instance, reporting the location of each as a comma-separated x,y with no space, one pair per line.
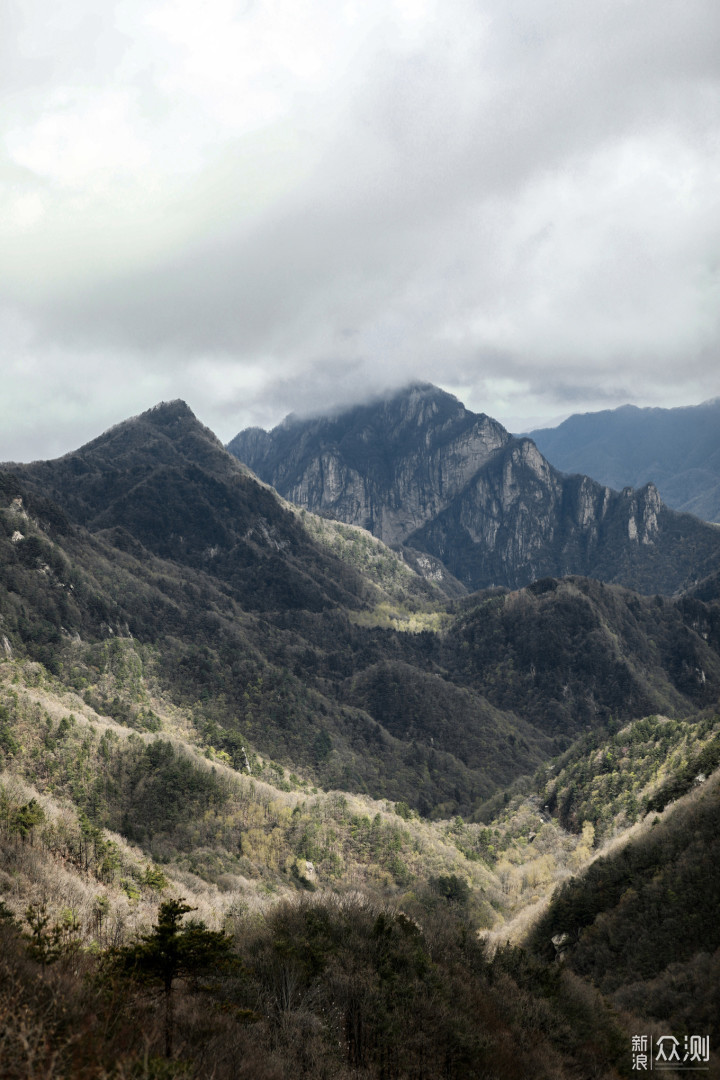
263,206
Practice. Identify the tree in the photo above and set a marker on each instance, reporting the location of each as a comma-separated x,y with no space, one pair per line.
48,943
455,889
173,951
25,818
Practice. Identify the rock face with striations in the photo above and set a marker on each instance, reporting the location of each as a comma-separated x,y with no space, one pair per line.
678,449
419,469
389,467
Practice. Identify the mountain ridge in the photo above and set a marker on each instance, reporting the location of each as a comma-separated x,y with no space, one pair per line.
167,480
370,437
678,449
167,729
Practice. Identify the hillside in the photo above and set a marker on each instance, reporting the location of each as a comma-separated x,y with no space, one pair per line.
88,608
641,923
348,917
162,484
676,449
419,470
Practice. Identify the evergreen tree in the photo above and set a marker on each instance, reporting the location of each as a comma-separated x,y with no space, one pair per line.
173,951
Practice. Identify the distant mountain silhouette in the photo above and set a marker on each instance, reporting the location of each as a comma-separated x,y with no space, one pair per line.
677,449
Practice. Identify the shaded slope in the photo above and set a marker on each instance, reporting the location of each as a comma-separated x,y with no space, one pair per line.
576,653
256,629
87,609
641,923
437,719
165,482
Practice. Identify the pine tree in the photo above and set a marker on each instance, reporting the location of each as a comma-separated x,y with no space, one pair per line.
173,951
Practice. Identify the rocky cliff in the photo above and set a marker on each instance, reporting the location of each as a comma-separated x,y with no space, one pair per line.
419,469
389,467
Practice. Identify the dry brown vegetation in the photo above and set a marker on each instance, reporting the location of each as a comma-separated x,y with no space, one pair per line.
369,942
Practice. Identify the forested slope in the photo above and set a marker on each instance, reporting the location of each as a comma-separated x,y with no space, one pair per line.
641,923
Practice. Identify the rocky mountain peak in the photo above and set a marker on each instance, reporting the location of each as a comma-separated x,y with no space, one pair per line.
678,449
169,414
421,470
389,465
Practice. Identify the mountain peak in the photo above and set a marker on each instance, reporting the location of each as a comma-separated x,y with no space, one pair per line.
164,414
173,422
92,483
424,391
390,417
424,403
388,465
416,468
410,396
177,409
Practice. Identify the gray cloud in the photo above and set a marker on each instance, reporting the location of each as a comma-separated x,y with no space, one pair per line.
516,201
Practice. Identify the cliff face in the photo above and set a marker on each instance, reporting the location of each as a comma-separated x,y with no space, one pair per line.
421,470
519,520
389,467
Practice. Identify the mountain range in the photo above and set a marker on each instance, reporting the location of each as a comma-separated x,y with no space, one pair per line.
292,623
421,471
368,774
676,449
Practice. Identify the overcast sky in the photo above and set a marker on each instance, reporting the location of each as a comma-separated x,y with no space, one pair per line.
271,206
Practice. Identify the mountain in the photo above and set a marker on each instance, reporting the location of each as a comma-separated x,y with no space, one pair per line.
211,702
155,537
389,466
420,470
676,449
641,923
162,483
